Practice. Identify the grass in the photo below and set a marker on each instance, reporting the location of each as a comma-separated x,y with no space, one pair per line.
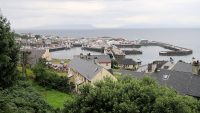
29,72
53,97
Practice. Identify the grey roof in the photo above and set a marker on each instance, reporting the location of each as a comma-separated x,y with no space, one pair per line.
133,73
159,63
100,58
35,55
183,67
128,61
183,82
177,80
86,68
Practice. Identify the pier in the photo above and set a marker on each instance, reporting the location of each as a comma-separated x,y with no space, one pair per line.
118,54
132,52
175,53
128,45
58,48
175,50
95,49
77,45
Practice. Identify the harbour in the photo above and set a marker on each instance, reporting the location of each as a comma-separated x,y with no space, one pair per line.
150,52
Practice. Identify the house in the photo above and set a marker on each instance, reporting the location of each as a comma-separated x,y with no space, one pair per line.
158,64
36,54
103,60
128,64
182,67
82,71
185,82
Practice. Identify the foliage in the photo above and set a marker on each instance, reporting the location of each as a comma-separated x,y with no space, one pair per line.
23,98
114,64
50,79
8,54
129,95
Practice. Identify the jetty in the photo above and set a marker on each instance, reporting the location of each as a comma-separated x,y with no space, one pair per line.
132,52
95,49
118,54
77,45
174,50
52,49
128,45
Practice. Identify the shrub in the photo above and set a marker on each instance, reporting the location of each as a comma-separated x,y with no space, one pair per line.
50,79
23,98
129,95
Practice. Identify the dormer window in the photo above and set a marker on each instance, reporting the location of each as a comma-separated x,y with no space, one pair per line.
165,77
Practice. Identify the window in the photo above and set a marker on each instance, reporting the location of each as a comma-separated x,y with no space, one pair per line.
165,77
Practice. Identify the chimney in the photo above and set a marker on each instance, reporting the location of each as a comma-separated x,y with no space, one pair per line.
88,56
196,68
152,67
81,55
95,60
193,59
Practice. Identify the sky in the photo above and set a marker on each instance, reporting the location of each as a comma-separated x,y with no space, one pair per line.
88,14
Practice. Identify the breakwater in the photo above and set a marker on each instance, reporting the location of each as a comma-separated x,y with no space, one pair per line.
58,48
95,49
77,45
132,52
128,45
174,50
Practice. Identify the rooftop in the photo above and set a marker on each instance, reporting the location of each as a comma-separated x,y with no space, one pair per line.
86,68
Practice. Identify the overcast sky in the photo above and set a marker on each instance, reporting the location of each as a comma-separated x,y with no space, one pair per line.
64,14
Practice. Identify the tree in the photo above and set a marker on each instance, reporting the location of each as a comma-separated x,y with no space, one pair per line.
24,58
8,54
129,95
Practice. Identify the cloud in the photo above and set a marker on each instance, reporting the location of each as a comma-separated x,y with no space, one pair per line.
27,14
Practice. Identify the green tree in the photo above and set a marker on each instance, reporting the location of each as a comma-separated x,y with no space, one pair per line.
129,95
8,54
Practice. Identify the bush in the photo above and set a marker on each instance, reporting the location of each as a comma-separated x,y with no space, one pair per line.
23,98
50,79
129,95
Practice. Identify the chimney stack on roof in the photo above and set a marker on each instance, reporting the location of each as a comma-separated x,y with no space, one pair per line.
195,67
81,55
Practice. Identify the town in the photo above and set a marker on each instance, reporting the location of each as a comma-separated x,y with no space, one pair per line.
88,68
47,66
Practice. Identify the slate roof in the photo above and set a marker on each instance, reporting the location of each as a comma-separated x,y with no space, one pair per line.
128,61
183,82
159,63
100,58
183,67
177,80
133,73
86,68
